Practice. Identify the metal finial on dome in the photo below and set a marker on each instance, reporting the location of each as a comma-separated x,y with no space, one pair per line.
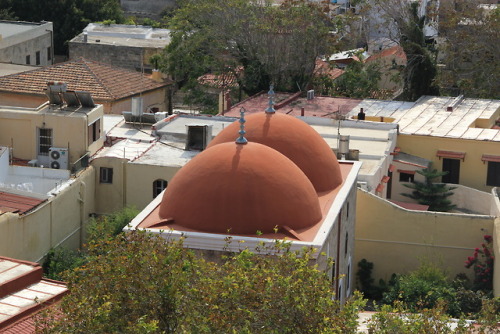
241,139
270,108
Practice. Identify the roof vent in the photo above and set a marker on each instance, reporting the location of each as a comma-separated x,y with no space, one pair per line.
456,101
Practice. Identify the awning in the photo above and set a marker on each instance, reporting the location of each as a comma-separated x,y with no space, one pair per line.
385,179
493,158
412,172
392,168
450,155
380,188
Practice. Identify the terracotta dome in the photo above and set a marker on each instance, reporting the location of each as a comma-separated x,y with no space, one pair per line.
242,189
295,139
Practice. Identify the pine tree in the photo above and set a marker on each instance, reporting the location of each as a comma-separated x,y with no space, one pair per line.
435,195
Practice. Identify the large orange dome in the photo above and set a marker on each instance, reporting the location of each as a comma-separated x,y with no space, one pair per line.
242,189
295,139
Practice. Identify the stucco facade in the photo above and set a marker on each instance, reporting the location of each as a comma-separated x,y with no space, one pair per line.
396,240
60,220
26,43
71,128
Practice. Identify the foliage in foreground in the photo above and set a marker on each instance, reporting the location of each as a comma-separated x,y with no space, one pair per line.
60,259
139,283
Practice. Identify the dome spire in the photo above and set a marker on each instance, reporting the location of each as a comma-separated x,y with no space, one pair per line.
270,94
241,139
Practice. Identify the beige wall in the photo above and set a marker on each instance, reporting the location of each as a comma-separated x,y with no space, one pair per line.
109,196
156,98
18,130
132,183
472,169
139,182
55,222
21,100
394,239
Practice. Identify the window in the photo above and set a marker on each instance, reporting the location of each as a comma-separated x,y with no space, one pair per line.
49,53
106,175
44,141
37,57
158,186
452,166
346,243
28,60
406,177
493,177
94,131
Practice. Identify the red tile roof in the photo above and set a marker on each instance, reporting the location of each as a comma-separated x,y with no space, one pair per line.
17,203
324,68
396,51
103,81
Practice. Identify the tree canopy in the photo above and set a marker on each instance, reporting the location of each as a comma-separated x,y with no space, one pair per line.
142,283
257,42
68,16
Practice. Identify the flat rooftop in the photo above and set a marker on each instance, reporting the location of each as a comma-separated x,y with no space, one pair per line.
137,144
124,35
429,116
11,28
6,69
292,104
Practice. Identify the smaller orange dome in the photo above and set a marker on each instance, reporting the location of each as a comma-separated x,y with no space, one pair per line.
242,189
296,140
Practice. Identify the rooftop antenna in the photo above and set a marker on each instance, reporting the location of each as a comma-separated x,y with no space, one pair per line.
270,94
241,139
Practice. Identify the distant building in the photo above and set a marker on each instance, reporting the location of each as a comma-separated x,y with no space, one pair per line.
458,135
26,43
126,46
110,86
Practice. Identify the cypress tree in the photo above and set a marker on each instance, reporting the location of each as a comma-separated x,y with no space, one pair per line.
435,195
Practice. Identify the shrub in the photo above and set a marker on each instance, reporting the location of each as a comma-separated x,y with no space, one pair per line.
482,262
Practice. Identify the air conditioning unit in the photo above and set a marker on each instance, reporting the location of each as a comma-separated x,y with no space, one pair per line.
59,158
310,94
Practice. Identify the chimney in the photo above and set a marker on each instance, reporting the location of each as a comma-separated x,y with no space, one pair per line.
85,37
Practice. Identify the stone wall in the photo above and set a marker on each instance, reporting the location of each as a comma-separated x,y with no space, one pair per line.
146,8
128,57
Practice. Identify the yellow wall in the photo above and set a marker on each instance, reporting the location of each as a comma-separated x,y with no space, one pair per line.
57,221
18,129
472,170
21,100
110,196
139,182
394,239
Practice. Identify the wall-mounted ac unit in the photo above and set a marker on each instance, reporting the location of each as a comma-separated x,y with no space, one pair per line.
59,158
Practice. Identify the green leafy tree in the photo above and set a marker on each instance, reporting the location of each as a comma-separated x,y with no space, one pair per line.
359,80
407,29
68,16
277,44
470,49
139,282
435,195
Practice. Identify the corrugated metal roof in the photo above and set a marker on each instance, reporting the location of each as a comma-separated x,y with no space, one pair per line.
17,203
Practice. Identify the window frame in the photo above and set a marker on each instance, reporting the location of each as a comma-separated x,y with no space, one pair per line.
158,186
45,140
493,170
106,175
